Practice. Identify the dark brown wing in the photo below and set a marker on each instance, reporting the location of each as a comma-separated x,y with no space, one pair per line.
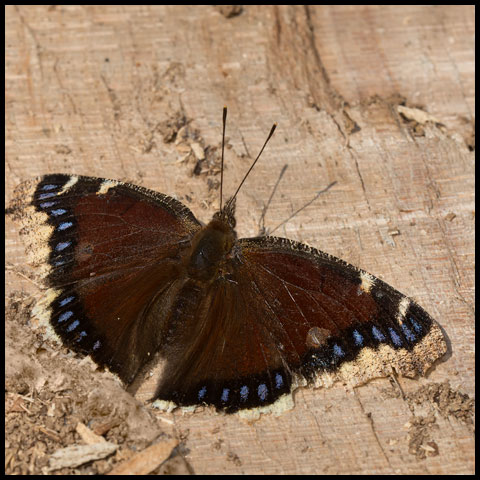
220,352
108,251
284,314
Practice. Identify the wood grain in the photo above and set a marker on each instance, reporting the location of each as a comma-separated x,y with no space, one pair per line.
104,90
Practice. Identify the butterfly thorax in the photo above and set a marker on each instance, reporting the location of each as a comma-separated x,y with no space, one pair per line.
211,245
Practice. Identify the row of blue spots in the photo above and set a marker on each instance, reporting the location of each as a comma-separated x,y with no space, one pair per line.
378,335
52,191
57,212
67,315
73,325
262,390
397,341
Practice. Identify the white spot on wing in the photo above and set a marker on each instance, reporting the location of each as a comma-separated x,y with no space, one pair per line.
73,180
367,282
402,309
106,186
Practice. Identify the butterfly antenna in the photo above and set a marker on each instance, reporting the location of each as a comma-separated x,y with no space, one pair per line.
223,150
305,206
261,222
274,126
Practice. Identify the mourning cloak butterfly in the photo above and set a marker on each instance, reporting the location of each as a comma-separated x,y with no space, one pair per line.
240,323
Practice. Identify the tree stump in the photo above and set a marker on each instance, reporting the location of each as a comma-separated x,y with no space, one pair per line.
379,99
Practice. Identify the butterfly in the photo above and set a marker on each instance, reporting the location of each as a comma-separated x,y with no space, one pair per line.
239,323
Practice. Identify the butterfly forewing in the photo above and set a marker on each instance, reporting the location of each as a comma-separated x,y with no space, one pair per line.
110,251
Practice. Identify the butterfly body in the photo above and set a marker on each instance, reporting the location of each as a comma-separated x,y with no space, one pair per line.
211,246
239,323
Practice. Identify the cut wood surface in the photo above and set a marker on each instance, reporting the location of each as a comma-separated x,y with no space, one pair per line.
379,99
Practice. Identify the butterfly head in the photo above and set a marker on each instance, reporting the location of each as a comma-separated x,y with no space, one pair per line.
227,214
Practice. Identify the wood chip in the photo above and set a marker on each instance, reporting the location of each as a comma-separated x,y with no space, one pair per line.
416,114
80,454
88,436
147,460
198,150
